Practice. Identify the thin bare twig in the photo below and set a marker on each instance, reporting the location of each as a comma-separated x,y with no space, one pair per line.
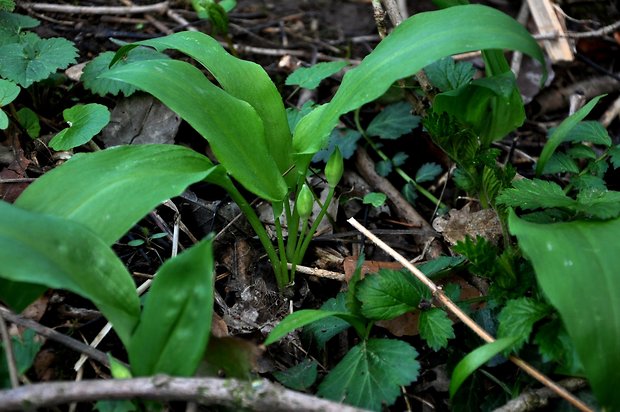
66,8
259,395
439,294
580,35
8,352
539,398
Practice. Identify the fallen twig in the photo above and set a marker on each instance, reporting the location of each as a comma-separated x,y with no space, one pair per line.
534,400
66,8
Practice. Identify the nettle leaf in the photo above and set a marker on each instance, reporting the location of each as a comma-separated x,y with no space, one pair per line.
555,345
560,163
393,121
446,74
101,64
34,59
376,199
589,131
175,325
371,374
534,194
344,139
481,254
572,260
311,77
588,182
300,377
323,330
435,328
29,121
428,172
85,121
388,294
518,317
601,204
399,159
614,156
581,151
383,167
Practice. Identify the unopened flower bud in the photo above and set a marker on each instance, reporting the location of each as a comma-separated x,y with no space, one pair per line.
334,168
305,201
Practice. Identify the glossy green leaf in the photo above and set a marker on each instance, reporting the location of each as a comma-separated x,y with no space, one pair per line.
242,79
476,359
310,77
58,253
560,134
393,121
175,324
435,328
85,121
417,42
29,121
232,127
371,374
110,190
576,265
388,294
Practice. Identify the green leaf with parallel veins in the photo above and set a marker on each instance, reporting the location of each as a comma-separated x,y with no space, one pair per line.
446,74
176,321
533,194
311,77
572,261
34,59
85,121
371,374
58,253
427,172
388,294
29,121
300,377
393,121
518,317
435,328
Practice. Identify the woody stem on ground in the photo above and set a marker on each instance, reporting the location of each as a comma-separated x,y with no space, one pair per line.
439,294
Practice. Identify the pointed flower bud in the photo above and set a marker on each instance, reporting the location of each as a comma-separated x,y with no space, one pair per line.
334,168
304,203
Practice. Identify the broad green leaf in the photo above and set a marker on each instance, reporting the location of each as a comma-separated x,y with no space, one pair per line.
302,318
388,294
311,77
560,134
8,92
34,59
427,172
25,349
300,377
446,74
323,330
15,22
232,127
581,151
371,374
589,131
242,79
4,120
576,265
29,121
437,34
100,64
85,121
518,317
560,162
375,199
393,121
175,324
533,194
476,359
435,328
601,204
110,190
58,253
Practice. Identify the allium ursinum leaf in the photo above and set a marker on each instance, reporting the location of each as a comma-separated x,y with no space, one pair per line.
614,156
393,122
427,172
311,77
323,330
518,317
388,294
344,139
589,131
435,328
34,59
446,74
560,162
534,194
601,204
101,63
371,374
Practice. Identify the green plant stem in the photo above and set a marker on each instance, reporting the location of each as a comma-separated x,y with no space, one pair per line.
398,170
296,258
282,276
314,227
293,232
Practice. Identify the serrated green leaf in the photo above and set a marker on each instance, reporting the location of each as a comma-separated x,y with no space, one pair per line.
323,330
29,121
100,64
176,321
581,151
8,92
614,156
311,77
34,59
7,5
533,194
388,294
572,261
399,159
345,139
371,374
588,182
601,204
383,167
85,121
410,192
589,131
561,132
476,359
555,345
560,162
481,254
491,184
45,250
393,121
427,172
300,377
12,23
518,317
435,328
375,199
110,190
440,265
446,74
